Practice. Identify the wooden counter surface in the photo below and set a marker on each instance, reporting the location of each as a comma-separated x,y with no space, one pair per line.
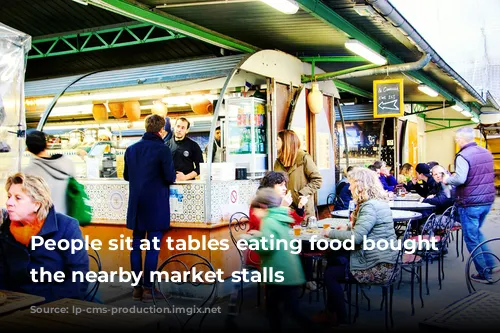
228,261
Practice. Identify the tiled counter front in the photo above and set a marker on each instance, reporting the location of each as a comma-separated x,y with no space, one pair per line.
109,199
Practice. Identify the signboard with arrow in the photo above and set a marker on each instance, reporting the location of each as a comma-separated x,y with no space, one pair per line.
388,98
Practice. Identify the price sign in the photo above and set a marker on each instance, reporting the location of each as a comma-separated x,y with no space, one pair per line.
388,98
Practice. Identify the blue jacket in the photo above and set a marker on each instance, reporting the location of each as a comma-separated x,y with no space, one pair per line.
343,196
150,171
17,260
440,200
388,182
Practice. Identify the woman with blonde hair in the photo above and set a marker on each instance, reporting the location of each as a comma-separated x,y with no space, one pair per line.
30,212
372,219
304,179
406,174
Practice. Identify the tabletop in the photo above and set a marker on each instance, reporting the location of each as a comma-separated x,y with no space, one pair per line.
17,301
307,234
474,312
408,197
79,315
410,205
397,215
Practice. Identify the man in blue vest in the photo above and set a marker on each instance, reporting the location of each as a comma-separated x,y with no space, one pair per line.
475,193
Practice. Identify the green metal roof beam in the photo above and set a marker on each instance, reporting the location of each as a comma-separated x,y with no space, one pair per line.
334,59
140,12
321,11
325,76
352,89
78,42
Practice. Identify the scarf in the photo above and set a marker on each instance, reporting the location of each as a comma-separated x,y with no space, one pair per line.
23,233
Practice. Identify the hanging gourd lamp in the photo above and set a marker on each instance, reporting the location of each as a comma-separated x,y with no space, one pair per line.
202,106
315,99
132,110
99,112
159,108
116,109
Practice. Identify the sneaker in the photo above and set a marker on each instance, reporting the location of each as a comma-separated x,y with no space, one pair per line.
137,293
311,285
479,278
147,295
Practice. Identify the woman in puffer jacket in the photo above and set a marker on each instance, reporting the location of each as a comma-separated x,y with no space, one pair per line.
372,219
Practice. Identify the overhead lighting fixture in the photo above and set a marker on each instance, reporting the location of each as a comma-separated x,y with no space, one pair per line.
427,90
284,6
467,114
81,2
364,10
476,120
105,96
365,52
457,107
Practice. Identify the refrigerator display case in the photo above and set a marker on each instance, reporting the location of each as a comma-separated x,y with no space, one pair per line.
245,134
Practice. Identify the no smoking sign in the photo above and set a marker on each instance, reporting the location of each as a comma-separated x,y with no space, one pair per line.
233,196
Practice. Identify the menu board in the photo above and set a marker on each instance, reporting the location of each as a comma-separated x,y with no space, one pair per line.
388,98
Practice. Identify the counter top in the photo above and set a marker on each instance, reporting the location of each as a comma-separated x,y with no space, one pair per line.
185,225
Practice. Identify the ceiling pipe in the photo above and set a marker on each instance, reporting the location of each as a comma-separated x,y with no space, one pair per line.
386,9
407,67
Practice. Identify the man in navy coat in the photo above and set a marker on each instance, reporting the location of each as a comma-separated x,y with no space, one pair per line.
149,169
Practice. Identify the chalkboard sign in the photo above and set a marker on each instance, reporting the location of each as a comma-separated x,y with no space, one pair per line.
388,98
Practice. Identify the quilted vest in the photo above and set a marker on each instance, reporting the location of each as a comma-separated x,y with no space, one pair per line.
479,188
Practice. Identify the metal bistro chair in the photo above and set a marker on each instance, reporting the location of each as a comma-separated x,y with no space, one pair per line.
413,262
239,222
388,287
203,294
330,202
94,288
457,228
480,251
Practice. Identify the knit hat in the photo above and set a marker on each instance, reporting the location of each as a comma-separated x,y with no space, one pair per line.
36,142
424,169
266,198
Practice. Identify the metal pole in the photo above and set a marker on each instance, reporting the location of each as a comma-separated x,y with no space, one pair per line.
380,140
48,110
345,134
208,189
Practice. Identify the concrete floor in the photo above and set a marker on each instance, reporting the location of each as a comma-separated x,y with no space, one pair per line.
253,318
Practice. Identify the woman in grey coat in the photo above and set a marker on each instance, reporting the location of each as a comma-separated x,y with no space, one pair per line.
371,220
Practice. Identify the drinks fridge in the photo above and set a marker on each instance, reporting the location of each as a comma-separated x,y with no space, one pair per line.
245,134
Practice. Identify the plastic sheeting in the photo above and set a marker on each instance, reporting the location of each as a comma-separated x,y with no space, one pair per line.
14,46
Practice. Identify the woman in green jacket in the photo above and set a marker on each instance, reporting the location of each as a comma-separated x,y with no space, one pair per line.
275,225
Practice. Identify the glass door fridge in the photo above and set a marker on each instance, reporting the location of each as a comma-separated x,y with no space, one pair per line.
246,137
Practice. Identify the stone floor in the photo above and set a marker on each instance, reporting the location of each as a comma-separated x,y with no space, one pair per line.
253,318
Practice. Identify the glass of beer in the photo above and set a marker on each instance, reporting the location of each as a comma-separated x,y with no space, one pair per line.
296,230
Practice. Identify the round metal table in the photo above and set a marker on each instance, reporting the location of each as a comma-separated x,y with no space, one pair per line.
408,197
410,205
397,215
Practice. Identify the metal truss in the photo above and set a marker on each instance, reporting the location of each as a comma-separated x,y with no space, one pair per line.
100,39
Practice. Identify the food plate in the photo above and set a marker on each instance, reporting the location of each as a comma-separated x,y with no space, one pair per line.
3,298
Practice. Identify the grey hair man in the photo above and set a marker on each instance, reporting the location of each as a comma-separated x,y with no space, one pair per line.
475,191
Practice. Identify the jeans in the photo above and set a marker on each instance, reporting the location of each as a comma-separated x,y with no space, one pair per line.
336,273
472,219
151,260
